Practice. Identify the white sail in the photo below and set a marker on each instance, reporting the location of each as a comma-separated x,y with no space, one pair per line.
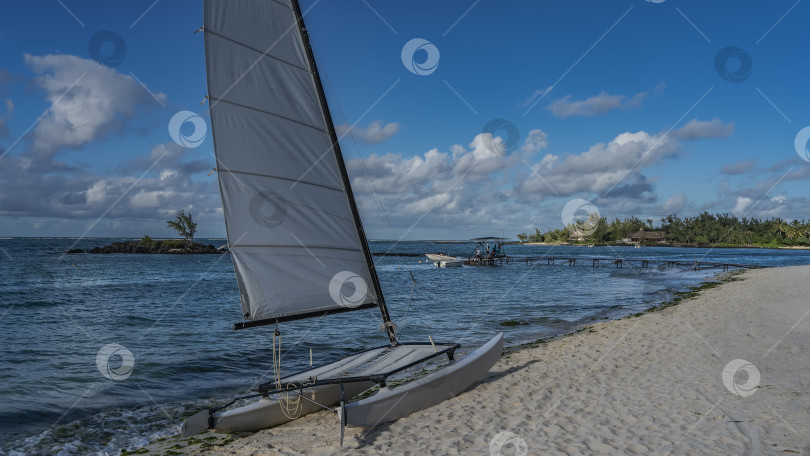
296,243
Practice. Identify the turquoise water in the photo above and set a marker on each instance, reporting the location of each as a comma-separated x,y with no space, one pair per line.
174,314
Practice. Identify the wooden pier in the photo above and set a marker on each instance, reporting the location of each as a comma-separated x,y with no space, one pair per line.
603,262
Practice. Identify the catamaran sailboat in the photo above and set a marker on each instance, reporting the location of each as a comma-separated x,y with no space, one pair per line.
295,236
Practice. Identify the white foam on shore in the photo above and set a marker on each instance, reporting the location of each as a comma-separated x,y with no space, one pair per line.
105,433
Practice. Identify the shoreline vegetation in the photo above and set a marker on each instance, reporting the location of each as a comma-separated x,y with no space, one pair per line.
666,244
185,227
649,383
704,230
149,246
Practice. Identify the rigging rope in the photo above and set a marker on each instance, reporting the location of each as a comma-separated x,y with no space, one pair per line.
375,195
410,299
291,407
434,345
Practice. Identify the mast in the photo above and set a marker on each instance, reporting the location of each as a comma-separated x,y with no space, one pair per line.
389,329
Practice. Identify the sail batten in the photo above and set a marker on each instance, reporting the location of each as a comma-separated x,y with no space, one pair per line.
270,176
314,127
297,250
258,51
290,246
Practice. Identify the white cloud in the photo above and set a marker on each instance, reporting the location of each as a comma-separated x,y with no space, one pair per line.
32,189
152,198
548,161
738,168
374,133
473,188
614,166
538,94
673,205
477,186
753,198
771,207
168,175
88,101
536,141
599,104
700,129
741,208
421,206
487,155
441,189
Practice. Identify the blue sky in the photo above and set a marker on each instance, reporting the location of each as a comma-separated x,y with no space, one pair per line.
618,103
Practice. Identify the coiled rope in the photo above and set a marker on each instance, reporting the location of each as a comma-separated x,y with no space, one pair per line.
289,401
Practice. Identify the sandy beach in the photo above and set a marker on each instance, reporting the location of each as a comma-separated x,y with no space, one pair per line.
656,384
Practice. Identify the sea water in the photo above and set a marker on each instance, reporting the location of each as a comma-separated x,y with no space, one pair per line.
100,353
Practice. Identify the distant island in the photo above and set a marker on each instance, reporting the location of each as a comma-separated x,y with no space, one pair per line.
149,246
715,230
182,224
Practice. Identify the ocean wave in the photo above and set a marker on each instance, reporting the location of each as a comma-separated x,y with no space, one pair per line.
191,353
107,432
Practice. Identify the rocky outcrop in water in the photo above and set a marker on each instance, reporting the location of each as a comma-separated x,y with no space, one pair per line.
156,247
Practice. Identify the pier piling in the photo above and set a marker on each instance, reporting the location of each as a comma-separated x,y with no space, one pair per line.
597,262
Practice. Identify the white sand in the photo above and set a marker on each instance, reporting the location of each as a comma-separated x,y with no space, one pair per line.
645,385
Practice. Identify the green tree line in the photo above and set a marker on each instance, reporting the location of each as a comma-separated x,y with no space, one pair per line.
702,229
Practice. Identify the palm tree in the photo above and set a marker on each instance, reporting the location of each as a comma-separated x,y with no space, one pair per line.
784,228
795,230
184,225
779,228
